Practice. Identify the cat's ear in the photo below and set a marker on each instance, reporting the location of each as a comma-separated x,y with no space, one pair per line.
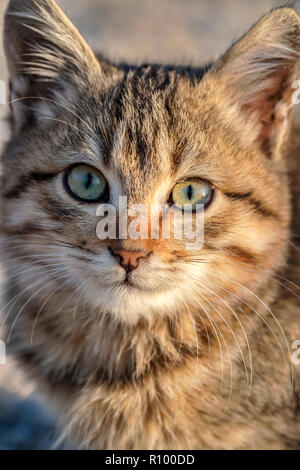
258,76
47,57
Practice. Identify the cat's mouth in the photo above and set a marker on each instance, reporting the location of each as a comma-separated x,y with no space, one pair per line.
129,283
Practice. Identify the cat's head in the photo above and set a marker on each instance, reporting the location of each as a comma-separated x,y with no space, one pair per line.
86,132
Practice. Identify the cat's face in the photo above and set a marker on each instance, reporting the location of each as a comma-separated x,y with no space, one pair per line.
139,133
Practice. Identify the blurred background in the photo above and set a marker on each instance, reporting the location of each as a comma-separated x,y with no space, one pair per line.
168,31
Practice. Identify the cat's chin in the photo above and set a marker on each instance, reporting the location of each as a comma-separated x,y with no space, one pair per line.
130,302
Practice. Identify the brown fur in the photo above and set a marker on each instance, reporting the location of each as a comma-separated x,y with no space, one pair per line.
197,355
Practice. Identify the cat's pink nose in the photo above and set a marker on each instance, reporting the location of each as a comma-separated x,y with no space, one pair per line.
129,260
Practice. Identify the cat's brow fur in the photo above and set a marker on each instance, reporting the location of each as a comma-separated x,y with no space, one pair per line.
198,356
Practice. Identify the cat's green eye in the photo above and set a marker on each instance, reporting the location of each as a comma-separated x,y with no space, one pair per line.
193,191
86,184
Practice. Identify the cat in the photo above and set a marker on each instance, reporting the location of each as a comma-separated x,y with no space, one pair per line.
145,344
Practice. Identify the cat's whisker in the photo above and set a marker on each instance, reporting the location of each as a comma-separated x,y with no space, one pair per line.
48,118
195,330
33,271
248,305
28,288
233,334
42,308
249,379
21,248
252,266
23,237
217,329
274,318
40,260
210,319
267,308
178,311
15,245
222,336
206,331
67,281
260,316
297,248
35,264
26,303
256,267
43,98
181,339
72,294
253,270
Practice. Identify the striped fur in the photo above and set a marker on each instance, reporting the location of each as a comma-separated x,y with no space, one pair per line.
197,354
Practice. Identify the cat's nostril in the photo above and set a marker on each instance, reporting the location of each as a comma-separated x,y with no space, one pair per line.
129,260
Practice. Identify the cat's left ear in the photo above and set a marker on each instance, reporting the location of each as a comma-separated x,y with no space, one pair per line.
47,57
255,80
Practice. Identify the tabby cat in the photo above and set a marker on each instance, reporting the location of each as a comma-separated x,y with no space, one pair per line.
145,344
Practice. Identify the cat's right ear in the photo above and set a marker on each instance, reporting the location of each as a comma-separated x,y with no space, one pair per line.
48,59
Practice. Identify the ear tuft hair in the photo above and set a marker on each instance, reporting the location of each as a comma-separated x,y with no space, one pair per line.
39,40
258,72
46,54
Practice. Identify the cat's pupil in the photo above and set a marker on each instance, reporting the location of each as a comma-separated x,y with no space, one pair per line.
89,179
189,192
